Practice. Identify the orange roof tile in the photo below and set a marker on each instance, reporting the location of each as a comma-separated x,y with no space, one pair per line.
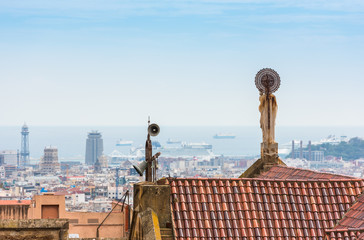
347,234
291,173
248,208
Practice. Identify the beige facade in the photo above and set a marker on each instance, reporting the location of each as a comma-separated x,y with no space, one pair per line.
81,224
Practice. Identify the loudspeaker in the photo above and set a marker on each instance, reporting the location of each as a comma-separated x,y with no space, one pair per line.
140,168
153,129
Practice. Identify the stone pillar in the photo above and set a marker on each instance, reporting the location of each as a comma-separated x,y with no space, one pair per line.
152,211
269,151
157,198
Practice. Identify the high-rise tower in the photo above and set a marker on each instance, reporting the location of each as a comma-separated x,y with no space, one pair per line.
94,147
24,152
49,163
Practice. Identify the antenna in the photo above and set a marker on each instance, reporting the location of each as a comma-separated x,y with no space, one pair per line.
150,164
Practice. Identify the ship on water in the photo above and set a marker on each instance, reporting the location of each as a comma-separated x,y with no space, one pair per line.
173,149
224,136
333,140
173,141
124,143
201,145
184,149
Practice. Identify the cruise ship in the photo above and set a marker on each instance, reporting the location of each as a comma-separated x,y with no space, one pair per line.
224,136
332,139
182,150
173,141
124,143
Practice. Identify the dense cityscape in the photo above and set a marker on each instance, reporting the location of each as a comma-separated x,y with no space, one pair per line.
92,185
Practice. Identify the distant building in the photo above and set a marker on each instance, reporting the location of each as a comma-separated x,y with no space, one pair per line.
94,147
9,170
24,152
315,155
1,159
103,161
49,163
2,172
97,166
67,165
50,206
10,157
115,193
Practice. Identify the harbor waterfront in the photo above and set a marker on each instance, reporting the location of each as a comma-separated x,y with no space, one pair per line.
71,145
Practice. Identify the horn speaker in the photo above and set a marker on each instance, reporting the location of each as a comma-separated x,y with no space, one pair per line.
140,168
153,129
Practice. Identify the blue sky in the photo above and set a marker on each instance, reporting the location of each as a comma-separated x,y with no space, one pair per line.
182,62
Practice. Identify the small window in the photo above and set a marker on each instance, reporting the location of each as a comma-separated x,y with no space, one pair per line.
92,220
73,220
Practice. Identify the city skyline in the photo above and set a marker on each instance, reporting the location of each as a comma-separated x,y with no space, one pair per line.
181,62
141,119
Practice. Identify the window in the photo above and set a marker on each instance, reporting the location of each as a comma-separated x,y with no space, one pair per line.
73,220
92,220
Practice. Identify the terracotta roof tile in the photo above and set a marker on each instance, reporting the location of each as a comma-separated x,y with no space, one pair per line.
260,208
352,221
345,234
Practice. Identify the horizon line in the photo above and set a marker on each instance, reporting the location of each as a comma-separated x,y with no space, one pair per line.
188,125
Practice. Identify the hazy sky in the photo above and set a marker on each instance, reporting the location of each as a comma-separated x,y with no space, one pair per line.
76,62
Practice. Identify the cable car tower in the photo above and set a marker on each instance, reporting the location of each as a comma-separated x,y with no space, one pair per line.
24,152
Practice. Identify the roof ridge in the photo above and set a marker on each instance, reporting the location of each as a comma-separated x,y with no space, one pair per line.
270,179
315,171
345,230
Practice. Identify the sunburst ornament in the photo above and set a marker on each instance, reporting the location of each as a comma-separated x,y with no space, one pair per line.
267,81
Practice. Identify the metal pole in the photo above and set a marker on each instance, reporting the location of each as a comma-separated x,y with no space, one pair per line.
148,159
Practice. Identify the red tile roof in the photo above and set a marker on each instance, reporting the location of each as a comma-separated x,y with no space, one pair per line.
352,234
248,208
61,193
291,173
352,222
354,218
15,202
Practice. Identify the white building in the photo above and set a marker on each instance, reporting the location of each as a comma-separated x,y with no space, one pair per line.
2,172
78,198
10,157
111,192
